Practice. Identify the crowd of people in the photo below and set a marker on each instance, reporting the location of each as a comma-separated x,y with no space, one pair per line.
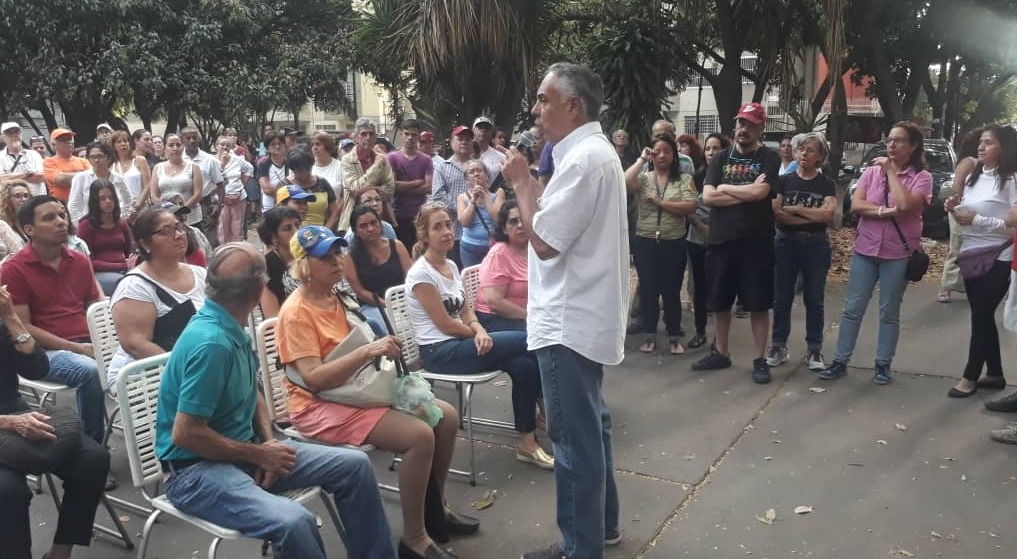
158,225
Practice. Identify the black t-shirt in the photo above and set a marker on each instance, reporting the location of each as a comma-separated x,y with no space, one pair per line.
748,219
276,273
804,193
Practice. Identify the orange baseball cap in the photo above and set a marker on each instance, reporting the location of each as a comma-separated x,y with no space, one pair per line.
56,133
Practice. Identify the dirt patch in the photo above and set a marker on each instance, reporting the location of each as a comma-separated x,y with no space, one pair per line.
843,241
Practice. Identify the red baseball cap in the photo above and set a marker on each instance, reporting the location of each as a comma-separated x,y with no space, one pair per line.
462,130
427,136
752,112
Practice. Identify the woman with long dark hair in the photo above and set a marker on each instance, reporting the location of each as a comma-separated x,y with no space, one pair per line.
133,168
664,196
891,195
107,235
982,216
690,146
277,227
374,264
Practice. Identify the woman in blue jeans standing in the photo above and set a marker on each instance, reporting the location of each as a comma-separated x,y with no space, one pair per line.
804,207
890,198
452,340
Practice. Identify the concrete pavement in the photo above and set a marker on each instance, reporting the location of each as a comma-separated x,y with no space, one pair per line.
896,471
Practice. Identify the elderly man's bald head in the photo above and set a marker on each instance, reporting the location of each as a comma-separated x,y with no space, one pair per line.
236,275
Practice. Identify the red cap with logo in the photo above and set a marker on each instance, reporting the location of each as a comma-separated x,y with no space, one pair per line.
752,112
462,130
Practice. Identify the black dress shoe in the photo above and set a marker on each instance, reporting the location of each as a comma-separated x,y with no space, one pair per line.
991,383
460,524
432,552
957,393
435,518
1007,404
111,482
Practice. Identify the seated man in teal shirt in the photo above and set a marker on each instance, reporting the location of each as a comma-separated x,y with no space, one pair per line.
215,441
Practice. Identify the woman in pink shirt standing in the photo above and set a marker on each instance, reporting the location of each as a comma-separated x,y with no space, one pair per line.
896,188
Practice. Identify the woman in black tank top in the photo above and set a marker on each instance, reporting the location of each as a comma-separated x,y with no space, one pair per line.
374,264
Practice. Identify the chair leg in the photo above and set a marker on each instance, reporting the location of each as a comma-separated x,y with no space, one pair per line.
467,393
462,409
147,532
334,515
213,547
109,426
121,532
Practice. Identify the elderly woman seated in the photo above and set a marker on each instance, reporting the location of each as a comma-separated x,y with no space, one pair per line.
83,470
155,300
313,322
453,341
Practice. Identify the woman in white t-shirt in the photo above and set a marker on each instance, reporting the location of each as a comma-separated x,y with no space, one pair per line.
987,218
452,340
133,168
326,166
153,302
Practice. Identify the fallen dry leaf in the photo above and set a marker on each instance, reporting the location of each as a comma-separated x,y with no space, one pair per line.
769,517
903,553
881,441
803,509
964,477
817,389
487,500
936,535
902,427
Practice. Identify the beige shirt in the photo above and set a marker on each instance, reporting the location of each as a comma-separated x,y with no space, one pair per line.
671,226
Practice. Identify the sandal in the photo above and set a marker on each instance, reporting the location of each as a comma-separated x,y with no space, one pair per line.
943,296
649,346
676,347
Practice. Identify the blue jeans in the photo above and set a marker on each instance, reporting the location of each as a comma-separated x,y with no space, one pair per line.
374,319
81,373
225,493
471,254
807,255
579,425
509,354
866,271
495,323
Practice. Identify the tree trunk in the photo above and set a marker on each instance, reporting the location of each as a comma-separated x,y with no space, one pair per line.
727,93
837,126
174,113
952,99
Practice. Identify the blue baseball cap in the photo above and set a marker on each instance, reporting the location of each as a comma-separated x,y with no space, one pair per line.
314,240
346,143
293,191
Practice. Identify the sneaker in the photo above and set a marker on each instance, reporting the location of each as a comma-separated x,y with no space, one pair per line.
815,361
834,371
778,356
1006,435
760,371
882,375
612,539
553,552
715,360
1006,404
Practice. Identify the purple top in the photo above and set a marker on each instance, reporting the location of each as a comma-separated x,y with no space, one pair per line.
407,205
546,168
878,237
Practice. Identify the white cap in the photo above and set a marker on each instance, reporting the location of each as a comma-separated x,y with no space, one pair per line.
482,120
104,125
9,126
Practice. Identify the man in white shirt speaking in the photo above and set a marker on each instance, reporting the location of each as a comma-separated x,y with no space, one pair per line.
578,292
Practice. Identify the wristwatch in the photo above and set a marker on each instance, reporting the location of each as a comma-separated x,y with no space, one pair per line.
23,338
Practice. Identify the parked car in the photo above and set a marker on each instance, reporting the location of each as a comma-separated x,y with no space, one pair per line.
941,160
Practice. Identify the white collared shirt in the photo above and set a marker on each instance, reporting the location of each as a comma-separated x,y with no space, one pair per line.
81,188
579,297
26,161
211,175
234,169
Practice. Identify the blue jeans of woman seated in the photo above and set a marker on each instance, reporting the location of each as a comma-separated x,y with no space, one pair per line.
509,354
225,493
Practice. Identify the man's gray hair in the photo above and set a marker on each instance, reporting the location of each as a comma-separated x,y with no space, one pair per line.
236,287
824,146
577,80
363,123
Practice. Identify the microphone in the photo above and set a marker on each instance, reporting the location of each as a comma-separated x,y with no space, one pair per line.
525,140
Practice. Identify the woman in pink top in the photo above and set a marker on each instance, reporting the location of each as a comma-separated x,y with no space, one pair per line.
895,188
501,300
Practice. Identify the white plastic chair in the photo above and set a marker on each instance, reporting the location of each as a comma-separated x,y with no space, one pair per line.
138,394
272,375
99,318
399,315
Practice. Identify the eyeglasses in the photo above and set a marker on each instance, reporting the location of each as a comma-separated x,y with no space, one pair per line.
97,157
515,222
897,141
171,230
